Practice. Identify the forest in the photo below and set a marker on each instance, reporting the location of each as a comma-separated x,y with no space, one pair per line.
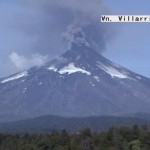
121,138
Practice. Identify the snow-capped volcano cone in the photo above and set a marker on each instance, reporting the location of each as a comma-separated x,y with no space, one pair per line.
81,82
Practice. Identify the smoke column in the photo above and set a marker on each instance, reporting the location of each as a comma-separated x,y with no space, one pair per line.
44,29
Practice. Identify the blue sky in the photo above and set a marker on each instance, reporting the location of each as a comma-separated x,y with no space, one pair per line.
131,46
21,26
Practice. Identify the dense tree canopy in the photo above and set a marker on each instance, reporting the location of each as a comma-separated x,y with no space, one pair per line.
124,138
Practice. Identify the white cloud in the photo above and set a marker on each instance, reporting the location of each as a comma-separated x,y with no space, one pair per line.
21,62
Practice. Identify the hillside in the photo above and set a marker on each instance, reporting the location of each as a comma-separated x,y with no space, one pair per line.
49,123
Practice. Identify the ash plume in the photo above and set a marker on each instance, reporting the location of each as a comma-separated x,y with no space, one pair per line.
50,27
65,17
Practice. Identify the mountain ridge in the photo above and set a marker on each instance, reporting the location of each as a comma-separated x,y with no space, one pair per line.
49,123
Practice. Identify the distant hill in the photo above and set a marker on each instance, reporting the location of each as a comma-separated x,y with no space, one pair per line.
49,123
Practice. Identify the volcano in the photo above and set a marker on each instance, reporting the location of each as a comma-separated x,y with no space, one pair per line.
79,83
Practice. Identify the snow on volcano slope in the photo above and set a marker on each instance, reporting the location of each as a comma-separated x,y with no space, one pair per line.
15,77
70,69
113,72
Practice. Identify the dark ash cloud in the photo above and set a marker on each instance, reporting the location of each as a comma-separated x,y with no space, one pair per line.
41,29
59,17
